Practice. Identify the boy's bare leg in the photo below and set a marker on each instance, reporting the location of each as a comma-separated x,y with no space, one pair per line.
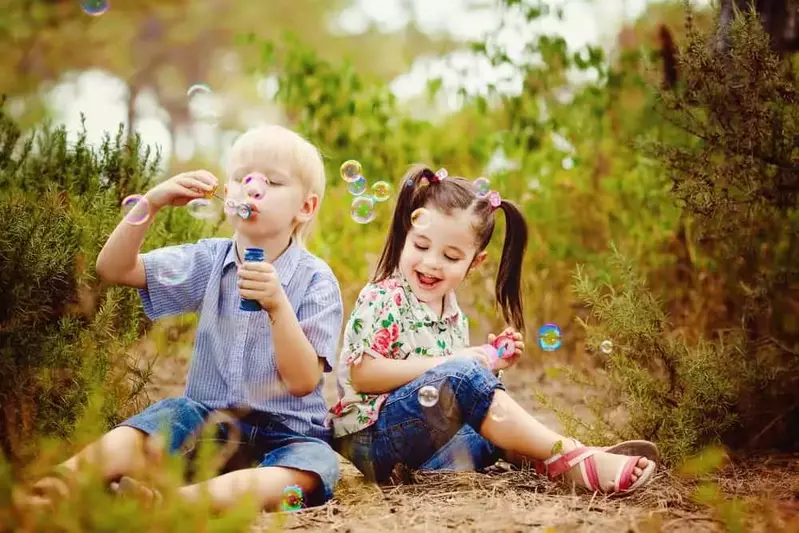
119,452
266,484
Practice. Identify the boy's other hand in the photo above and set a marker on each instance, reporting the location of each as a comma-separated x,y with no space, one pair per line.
182,189
259,281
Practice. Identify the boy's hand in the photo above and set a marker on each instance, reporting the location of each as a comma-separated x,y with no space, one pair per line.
182,189
509,361
259,281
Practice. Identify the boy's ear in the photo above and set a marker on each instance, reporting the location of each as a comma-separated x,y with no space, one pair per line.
308,208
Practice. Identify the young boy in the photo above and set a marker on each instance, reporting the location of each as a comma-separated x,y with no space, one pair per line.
264,368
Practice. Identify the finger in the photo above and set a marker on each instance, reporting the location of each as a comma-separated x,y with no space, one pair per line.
517,336
253,285
249,294
194,184
491,338
205,176
519,346
258,266
252,273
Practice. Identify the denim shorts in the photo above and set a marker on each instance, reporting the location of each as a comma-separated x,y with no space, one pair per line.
258,439
443,436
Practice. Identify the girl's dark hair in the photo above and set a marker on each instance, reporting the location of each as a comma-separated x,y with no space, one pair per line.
447,195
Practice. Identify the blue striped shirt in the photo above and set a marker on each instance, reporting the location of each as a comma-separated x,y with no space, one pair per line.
233,364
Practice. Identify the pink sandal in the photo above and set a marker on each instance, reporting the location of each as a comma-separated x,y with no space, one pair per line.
583,456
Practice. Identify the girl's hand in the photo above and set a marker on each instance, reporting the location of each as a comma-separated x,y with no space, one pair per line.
508,361
181,189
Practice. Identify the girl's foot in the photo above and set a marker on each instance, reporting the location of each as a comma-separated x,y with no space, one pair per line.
597,470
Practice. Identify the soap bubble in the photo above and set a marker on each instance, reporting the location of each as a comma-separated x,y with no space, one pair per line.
420,219
202,209
428,396
409,182
243,211
381,190
358,186
482,186
292,498
256,185
198,88
175,267
549,338
231,206
350,170
135,209
363,210
95,8
606,346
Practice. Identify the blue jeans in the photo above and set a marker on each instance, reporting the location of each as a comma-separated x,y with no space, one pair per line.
443,436
260,440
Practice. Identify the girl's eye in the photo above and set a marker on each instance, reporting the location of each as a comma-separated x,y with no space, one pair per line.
451,259
418,247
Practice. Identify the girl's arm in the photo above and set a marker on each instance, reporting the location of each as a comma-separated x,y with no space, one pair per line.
378,375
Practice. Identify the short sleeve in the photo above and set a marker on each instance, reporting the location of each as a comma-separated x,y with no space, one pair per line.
177,277
375,325
320,315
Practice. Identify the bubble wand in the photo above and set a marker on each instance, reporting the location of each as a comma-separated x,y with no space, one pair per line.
503,347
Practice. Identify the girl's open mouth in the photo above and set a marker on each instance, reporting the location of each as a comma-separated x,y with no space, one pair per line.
427,282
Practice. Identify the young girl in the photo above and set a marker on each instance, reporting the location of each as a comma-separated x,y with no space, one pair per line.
412,391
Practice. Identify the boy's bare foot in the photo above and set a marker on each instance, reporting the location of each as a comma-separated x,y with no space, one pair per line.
148,496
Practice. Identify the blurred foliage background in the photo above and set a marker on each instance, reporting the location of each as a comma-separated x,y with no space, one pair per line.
657,170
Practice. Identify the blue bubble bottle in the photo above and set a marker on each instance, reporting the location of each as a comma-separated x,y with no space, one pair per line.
251,255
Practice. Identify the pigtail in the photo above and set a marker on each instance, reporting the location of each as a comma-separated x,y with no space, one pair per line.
509,277
400,222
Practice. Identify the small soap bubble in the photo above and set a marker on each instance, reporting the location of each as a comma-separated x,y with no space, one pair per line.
202,209
409,182
428,396
292,498
175,268
606,346
567,163
95,8
420,219
350,170
363,210
482,187
135,209
381,190
231,206
549,338
243,211
498,412
358,186
198,88
256,185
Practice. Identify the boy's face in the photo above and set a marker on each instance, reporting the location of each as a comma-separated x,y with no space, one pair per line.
278,200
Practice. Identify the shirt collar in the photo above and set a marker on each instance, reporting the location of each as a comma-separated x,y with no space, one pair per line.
452,311
285,265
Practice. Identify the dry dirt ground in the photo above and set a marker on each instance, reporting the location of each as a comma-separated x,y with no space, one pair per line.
508,499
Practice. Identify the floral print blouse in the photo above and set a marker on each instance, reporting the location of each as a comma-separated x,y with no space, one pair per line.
389,321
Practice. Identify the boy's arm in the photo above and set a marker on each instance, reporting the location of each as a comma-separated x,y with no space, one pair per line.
305,341
119,261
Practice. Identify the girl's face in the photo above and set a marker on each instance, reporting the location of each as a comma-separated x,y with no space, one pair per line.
437,257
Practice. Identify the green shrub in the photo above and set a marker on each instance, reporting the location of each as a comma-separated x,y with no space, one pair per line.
63,334
734,173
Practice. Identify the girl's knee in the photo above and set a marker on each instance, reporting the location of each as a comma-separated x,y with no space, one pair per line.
460,368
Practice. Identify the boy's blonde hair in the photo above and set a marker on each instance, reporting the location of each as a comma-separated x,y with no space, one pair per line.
274,145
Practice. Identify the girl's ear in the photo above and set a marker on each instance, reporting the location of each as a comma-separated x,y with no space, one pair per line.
478,259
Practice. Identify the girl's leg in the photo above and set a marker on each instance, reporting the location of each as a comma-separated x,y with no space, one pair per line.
470,394
465,452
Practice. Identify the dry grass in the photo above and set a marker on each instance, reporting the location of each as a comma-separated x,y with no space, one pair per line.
508,500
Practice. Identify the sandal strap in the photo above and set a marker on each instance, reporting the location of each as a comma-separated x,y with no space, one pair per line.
623,479
560,463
